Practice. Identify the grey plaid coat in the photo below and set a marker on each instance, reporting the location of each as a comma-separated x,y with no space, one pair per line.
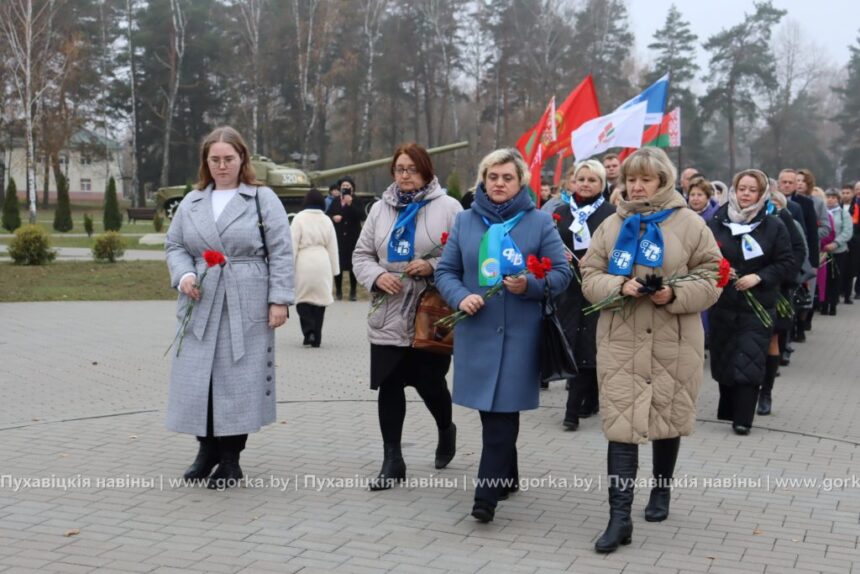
228,336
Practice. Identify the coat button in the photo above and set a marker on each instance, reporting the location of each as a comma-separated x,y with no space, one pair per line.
499,330
648,331
269,350
268,393
269,363
648,382
269,378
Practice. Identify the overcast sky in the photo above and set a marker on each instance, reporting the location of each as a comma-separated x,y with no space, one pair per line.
832,24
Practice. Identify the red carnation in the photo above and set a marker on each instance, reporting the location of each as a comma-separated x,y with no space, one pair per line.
444,239
536,267
724,272
546,263
556,217
214,258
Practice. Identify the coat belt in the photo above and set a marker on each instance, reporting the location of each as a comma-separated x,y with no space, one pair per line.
234,310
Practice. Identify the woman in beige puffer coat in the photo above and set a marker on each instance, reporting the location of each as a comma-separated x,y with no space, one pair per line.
650,354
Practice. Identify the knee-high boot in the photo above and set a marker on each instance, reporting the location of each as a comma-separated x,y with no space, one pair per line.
622,461
765,400
665,454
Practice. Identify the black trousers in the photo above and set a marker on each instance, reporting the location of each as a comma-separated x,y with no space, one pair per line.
233,442
498,469
836,285
338,283
403,367
581,394
737,404
311,320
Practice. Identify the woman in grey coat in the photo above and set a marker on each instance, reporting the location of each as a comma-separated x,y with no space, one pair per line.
496,349
394,259
222,383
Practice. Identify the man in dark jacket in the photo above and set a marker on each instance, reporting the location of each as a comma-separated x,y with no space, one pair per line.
788,186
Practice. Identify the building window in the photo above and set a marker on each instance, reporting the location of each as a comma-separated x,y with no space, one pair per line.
86,185
86,160
64,160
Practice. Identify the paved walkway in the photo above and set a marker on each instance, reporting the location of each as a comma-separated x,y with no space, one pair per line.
82,390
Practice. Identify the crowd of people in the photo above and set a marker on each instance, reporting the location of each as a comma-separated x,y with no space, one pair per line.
648,277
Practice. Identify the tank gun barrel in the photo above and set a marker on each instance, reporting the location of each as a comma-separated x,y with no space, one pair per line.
317,176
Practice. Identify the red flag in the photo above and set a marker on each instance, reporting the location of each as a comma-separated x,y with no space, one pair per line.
542,134
579,107
559,166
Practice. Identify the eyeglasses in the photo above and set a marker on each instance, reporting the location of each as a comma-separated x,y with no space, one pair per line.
401,171
225,161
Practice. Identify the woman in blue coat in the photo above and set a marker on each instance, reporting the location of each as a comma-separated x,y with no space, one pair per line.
496,349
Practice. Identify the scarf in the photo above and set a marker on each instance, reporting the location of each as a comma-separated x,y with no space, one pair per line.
401,243
630,249
746,214
579,227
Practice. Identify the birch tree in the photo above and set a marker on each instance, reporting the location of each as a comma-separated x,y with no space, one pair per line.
136,189
174,66
27,27
373,11
249,16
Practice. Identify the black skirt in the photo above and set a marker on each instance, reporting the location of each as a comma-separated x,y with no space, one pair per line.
412,366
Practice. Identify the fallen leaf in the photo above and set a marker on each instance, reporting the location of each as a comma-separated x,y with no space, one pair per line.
134,436
64,455
283,422
72,532
795,539
34,419
711,557
95,362
758,532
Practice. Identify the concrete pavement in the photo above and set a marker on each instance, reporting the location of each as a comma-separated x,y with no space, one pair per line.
86,467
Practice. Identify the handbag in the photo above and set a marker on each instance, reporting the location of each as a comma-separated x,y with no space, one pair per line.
428,336
556,356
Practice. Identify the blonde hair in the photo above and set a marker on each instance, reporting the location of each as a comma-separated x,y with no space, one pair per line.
228,135
818,192
596,168
502,156
648,161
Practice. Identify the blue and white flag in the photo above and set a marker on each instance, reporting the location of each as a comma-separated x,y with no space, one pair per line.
655,95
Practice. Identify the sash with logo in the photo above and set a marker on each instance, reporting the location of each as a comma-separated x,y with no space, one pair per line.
579,227
631,250
749,246
499,255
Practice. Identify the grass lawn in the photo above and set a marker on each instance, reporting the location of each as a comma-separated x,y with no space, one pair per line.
85,281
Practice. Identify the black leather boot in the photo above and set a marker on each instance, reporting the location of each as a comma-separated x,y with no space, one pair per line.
446,448
765,400
207,458
393,468
665,454
229,473
621,463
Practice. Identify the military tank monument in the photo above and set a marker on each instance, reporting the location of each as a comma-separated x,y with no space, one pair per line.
292,184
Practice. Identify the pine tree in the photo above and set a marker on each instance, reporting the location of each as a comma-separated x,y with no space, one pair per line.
63,213
849,117
742,65
11,210
112,217
675,47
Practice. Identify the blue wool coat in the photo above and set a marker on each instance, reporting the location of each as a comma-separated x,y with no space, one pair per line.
496,351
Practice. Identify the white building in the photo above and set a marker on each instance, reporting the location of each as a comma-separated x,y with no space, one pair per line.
87,162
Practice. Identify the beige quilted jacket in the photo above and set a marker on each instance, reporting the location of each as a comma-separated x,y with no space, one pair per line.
649,358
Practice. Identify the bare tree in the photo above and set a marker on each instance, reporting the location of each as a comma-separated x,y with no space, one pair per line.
249,12
373,11
136,189
174,65
28,31
311,53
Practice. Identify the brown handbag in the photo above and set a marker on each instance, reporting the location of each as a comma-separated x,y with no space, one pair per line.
428,336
